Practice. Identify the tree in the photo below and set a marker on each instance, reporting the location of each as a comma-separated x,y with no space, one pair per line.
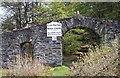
24,13
7,25
101,10
20,12
54,10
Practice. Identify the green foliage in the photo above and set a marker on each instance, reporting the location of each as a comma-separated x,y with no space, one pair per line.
42,12
19,14
106,10
77,37
53,11
60,71
7,26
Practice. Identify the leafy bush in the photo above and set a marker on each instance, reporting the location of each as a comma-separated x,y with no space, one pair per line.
77,37
60,71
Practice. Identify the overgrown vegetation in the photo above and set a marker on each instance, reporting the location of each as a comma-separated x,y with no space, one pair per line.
74,39
102,62
28,68
34,68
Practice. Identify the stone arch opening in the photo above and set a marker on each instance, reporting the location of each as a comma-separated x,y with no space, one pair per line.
77,41
86,35
26,51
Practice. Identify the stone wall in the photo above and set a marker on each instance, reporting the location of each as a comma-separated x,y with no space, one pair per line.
43,47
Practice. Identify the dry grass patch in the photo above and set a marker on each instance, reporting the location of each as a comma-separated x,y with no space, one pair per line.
29,68
103,62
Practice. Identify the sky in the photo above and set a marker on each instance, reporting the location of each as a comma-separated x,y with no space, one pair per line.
2,13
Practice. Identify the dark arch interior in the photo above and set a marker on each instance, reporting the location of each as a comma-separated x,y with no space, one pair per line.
26,50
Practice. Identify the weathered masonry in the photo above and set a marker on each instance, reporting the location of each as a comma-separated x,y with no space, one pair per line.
42,47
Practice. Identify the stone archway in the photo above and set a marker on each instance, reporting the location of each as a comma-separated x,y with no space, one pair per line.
26,52
105,28
51,52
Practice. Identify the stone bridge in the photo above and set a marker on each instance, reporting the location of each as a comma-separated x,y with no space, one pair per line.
42,47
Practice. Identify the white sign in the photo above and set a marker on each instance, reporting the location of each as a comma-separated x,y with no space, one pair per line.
54,29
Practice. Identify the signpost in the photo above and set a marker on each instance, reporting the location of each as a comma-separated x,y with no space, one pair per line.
54,29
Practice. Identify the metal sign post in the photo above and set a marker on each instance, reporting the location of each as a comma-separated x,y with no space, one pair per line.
54,38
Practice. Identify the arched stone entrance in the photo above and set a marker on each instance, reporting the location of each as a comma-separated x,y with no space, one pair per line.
46,50
26,52
78,37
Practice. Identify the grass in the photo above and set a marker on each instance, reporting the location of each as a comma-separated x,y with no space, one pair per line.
29,68
2,71
35,68
60,71
34,71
